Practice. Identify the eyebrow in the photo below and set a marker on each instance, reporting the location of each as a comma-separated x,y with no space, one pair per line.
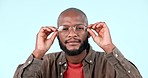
74,25
65,25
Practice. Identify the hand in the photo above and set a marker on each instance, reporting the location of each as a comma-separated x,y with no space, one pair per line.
42,42
102,36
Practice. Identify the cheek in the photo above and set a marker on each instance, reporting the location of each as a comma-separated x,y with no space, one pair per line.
62,39
83,37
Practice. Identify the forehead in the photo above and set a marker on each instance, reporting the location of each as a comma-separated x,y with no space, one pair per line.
71,18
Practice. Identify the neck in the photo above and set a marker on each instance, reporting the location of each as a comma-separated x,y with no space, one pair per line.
77,58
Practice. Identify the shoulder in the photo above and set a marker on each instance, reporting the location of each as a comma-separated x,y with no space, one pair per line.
54,58
100,55
95,54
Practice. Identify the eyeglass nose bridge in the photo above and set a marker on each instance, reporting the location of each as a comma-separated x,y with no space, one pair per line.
72,29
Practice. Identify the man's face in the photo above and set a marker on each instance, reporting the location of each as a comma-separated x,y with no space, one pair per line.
72,43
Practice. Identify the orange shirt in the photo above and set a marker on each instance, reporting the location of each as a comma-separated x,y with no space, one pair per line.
74,71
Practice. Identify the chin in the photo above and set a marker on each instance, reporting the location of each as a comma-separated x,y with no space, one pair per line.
71,48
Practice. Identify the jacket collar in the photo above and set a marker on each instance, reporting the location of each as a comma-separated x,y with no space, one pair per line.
90,56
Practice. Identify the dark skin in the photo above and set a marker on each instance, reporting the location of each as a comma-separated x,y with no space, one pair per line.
72,18
72,38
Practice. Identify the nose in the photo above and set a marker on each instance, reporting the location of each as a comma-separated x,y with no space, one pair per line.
72,33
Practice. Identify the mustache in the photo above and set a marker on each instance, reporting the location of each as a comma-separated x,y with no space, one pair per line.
72,39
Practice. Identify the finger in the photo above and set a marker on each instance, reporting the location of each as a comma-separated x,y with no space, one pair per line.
98,26
94,26
45,29
91,33
48,29
44,32
53,36
52,28
102,24
90,26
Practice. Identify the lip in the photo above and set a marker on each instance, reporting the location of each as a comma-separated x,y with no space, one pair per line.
73,42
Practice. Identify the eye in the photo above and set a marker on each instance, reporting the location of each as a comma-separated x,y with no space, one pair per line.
80,27
65,28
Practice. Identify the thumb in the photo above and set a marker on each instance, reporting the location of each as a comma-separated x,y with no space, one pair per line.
51,39
94,36
91,33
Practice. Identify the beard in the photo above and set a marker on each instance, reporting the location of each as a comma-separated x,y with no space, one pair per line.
83,46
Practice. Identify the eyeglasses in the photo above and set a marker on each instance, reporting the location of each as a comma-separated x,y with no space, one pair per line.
78,29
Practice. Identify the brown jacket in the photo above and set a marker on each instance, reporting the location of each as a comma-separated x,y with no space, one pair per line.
95,65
